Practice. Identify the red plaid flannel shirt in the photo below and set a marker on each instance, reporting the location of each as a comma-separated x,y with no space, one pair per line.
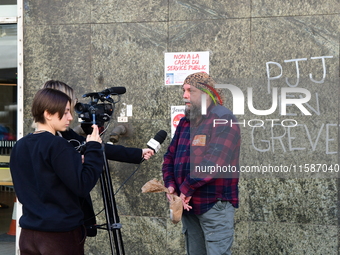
220,147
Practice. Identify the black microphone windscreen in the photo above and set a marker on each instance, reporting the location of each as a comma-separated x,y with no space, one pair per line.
155,143
115,90
160,136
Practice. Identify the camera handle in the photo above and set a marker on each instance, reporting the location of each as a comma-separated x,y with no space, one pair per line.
93,112
112,219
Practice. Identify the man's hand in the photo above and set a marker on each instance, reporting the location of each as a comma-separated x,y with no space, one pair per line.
147,153
171,191
185,202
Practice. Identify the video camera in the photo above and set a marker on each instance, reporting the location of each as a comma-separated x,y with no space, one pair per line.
98,113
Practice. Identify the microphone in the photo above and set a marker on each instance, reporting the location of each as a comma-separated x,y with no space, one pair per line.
155,143
114,91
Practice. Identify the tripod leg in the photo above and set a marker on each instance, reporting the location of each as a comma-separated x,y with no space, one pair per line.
112,218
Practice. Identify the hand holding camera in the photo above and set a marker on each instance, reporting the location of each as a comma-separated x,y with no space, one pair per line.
95,137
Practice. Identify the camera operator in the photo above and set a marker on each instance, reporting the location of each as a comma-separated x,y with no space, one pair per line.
113,152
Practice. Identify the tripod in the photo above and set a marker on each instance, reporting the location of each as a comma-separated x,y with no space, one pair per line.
112,219
101,113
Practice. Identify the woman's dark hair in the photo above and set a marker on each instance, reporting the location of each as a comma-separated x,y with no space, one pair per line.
50,100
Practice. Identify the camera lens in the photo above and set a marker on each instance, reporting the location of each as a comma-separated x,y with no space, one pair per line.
80,108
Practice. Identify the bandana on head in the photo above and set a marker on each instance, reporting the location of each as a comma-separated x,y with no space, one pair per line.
205,83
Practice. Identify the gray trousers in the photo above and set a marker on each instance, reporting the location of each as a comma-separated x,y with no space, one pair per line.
211,233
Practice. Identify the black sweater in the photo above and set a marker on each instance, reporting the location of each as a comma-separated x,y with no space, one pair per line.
49,177
113,152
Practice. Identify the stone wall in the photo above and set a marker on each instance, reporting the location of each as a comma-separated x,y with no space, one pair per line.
95,44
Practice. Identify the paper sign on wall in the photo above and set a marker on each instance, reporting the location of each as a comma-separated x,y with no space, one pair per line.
177,112
178,65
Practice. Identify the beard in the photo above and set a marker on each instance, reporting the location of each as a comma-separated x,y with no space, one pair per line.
193,112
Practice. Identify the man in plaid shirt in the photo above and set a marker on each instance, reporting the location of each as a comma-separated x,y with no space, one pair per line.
202,166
